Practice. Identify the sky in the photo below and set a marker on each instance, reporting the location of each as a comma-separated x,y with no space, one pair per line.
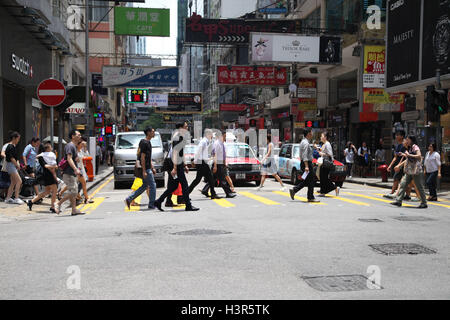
163,45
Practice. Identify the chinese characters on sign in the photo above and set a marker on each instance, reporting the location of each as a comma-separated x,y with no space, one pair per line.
137,95
246,75
141,21
233,107
307,94
161,77
374,66
186,103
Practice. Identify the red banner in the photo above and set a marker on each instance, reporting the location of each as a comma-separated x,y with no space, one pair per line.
252,76
233,107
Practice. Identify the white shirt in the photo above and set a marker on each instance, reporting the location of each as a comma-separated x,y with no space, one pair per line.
349,155
362,149
202,151
432,162
327,149
49,158
380,155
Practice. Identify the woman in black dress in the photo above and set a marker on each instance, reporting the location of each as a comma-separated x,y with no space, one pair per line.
50,184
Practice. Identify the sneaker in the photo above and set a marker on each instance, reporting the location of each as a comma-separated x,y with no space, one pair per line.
313,200
283,189
350,177
396,203
389,196
259,188
77,213
10,201
422,206
18,201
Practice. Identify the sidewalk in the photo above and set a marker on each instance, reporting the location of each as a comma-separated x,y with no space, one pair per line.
13,211
444,192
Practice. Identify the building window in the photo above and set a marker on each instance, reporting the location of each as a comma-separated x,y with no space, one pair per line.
74,78
340,14
312,20
98,10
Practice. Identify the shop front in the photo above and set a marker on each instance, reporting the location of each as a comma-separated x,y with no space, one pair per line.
25,62
281,120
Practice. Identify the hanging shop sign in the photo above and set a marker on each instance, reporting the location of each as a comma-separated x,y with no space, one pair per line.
131,21
252,75
77,108
136,76
233,31
136,95
374,67
22,65
157,100
292,48
307,94
232,107
187,103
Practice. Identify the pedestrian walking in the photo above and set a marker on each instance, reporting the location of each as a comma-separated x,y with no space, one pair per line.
432,165
98,156
219,167
269,166
82,179
363,156
177,168
306,156
110,154
413,172
71,173
201,160
12,165
399,149
148,171
326,152
349,154
29,159
49,179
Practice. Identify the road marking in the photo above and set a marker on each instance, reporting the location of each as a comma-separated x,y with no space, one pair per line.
433,203
376,199
359,203
89,208
258,198
285,194
134,209
224,203
101,187
178,207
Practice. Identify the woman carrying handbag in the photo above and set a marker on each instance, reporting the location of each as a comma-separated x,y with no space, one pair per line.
326,152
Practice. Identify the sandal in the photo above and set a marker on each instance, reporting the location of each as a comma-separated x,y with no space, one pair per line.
88,200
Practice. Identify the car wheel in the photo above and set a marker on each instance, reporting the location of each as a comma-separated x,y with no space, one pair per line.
160,183
117,185
294,176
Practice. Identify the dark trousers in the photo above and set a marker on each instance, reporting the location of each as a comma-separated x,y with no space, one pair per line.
203,170
308,182
97,164
326,185
172,185
220,175
432,183
349,169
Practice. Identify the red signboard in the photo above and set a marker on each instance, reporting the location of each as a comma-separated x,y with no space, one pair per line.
51,92
233,107
252,76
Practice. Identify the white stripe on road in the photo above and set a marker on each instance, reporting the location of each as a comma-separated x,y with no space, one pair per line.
51,92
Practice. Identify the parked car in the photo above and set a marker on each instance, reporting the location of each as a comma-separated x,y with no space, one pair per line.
189,153
242,163
289,165
125,155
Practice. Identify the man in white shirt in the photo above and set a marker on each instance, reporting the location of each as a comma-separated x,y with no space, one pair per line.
201,160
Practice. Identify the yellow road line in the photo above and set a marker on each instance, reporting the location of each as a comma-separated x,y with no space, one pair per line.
285,194
433,203
135,208
258,198
89,208
178,207
349,201
224,203
376,199
101,187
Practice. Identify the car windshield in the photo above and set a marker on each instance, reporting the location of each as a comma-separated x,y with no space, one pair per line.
296,152
131,141
190,149
239,151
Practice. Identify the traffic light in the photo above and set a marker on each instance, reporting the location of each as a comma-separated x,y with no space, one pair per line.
437,103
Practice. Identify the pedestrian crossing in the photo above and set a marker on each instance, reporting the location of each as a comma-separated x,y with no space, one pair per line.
253,198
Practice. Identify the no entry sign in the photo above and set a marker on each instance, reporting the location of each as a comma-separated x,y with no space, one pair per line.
51,92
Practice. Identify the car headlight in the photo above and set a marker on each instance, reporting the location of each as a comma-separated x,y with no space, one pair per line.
120,162
256,167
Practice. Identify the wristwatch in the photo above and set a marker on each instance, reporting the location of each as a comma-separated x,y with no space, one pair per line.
441,37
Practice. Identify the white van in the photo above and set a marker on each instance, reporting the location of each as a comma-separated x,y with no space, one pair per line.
125,155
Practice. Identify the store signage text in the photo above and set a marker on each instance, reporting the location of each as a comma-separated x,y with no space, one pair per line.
22,65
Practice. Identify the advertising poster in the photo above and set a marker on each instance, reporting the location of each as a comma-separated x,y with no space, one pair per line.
137,76
403,40
374,66
307,94
131,21
186,103
252,75
436,38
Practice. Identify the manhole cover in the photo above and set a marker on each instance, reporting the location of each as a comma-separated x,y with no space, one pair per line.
408,218
340,283
198,232
401,248
370,220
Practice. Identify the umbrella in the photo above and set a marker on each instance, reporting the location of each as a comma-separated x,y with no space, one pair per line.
55,140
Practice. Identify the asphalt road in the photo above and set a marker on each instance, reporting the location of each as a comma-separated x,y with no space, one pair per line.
259,245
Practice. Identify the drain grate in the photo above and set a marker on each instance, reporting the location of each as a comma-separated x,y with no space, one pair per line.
409,218
199,232
340,283
401,248
370,220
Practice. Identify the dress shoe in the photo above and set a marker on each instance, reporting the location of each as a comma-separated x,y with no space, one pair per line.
292,194
231,195
169,204
158,205
396,203
407,198
313,200
215,196
205,193
128,203
191,208
432,199
422,206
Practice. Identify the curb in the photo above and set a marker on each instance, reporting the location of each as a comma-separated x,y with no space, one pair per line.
96,183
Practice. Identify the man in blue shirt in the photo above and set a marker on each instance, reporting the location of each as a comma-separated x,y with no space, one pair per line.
29,158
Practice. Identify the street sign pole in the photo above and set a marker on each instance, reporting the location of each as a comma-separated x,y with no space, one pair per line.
52,125
86,15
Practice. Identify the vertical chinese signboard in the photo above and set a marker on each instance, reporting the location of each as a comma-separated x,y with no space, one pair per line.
307,94
141,22
374,65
